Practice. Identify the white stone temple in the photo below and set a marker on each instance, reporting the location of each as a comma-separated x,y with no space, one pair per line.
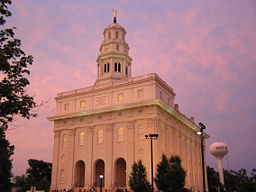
100,130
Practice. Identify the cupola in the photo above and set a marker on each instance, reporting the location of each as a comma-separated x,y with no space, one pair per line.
113,62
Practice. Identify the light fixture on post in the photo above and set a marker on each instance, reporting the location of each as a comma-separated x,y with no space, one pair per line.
152,137
201,133
101,182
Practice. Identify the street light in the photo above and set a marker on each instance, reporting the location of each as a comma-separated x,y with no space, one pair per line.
152,137
101,182
201,133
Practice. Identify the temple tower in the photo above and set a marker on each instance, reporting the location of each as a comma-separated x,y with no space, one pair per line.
113,62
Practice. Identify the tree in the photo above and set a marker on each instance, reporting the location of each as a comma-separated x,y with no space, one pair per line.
170,176
13,97
213,179
137,179
239,181
6,151
14,63
38,174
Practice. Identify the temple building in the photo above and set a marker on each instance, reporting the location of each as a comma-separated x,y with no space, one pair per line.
100,130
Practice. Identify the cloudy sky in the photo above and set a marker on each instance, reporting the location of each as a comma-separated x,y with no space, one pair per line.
204,49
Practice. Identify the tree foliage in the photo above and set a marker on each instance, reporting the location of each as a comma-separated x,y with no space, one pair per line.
238,181
213,180
6,151
13,69
38,174
13,97
138,178
170,176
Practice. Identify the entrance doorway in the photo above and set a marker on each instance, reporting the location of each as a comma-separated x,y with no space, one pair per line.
99,170
79,174
120,172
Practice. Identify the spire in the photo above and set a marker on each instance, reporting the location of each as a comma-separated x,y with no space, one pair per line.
115,13
113,62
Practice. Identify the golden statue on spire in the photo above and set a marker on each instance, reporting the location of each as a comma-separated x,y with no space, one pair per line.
115,14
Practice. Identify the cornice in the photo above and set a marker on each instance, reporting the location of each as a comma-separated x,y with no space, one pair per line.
156,102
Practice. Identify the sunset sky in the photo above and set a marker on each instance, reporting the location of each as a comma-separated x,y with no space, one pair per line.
205,50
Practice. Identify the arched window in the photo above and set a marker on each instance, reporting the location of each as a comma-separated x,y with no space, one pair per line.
119,67
79,174
109,35
108,67
126,71
100,136
64,140
117,47
105,68
116,34
120,172
81,138
115,67
62,176
120,134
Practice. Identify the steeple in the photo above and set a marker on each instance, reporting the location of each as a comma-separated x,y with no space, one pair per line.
114,62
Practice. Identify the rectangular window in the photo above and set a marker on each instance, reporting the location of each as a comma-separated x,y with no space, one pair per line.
66,106
100,136
120,97
81,138
140,93
120,134
82,104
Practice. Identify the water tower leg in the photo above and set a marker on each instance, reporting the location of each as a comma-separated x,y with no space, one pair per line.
220,169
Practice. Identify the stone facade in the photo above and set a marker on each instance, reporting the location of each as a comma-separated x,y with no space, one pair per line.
100,130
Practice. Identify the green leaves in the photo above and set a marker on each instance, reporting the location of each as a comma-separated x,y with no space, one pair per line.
13,68
170,176
137,179
13,97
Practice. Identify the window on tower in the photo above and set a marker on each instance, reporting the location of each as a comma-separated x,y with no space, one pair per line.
116,34
108,67
109,35
117,47
115,67
126,71
119,67
105,68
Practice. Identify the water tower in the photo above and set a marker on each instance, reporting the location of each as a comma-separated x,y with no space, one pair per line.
219,150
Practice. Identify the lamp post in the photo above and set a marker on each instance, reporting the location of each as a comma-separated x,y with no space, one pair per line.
152,137
101,182
201,133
